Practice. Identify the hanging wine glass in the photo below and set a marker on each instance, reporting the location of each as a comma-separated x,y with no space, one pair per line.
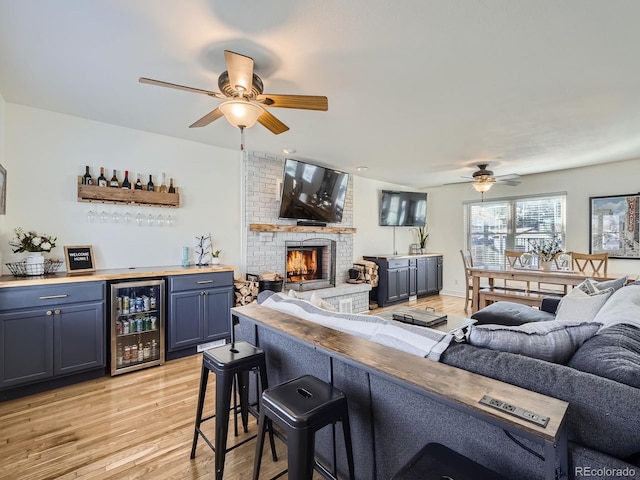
104,216
160,220
115,217
127,218
91,216
150,220
139,219
169,220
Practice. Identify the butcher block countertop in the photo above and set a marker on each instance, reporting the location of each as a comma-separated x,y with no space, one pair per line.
110,274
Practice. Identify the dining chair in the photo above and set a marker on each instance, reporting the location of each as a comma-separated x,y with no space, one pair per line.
513,259
590,263
467,261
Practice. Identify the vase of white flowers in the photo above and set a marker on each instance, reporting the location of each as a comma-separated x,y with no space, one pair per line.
546,251
35,244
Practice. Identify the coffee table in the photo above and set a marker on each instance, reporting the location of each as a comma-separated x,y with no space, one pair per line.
453,323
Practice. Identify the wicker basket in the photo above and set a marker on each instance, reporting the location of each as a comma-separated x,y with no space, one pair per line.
22,269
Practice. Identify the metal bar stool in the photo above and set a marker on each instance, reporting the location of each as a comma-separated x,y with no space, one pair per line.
229,362
301,407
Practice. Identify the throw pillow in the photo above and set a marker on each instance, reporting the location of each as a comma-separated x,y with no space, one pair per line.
293,293
553,341
577,305
320,303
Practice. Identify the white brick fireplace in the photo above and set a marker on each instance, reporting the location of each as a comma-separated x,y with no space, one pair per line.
266,251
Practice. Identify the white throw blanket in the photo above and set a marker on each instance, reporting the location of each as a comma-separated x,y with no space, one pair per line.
412,339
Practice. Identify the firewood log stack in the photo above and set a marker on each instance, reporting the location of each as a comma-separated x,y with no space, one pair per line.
368,271
246,292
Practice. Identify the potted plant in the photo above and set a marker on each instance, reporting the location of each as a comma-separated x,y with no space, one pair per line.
35,243
422,237
546,251
215,257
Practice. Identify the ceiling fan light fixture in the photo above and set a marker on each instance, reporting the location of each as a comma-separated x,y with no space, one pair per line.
482,186
241,113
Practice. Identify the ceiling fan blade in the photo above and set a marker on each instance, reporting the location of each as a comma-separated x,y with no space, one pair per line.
512,183
207,119
511,176
240,69
272,123
303,102
160,83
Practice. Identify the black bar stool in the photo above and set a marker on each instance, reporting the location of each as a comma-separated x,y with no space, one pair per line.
301,407
234,360
437,461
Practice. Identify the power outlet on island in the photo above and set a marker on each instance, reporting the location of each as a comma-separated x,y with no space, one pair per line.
514,410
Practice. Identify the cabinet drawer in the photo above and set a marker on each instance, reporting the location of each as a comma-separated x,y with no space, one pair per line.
12,298
398,263
195,281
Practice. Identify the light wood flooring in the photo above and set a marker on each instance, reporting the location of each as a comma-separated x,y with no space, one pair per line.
137,425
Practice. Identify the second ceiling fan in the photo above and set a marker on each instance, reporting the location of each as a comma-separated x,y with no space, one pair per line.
244,103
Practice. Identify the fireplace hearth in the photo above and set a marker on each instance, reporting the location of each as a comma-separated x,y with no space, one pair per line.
310,264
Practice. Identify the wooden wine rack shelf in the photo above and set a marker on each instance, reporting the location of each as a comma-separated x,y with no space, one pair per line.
123,196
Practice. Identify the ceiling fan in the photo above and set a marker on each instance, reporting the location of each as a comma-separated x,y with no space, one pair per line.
484,179
244,103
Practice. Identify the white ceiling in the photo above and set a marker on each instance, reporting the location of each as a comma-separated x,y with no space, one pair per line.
420,91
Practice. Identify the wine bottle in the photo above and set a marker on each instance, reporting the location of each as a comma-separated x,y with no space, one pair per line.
150,186
163,185
86,179
114,180
102,180
172,189
126,183
138,183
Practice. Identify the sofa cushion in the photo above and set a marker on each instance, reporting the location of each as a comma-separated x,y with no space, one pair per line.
622,307
553,341
612,353
510,313
582,303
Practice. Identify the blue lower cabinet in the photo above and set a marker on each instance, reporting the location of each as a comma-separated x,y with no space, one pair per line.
199,309
46,332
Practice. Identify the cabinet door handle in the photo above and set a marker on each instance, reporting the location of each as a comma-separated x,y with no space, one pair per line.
57,312
204,281
49,312
49,297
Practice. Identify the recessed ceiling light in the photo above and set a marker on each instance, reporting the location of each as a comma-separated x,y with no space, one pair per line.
289,151
362,168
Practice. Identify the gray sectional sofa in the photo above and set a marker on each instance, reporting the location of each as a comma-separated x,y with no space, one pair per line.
390,423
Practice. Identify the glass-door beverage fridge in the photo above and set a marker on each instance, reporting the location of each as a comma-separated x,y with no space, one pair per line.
137,325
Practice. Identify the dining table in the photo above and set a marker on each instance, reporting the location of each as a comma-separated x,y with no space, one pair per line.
569,278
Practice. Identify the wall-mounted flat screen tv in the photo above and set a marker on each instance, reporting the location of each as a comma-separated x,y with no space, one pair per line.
403,209
312,193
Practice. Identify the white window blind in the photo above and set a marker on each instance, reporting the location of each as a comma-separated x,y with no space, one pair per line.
491,227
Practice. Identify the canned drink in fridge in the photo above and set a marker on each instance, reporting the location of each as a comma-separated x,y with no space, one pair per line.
139,325
125,327
125,305
146,303
119,305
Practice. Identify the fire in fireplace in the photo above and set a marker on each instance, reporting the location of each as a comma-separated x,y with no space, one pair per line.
310,267
303,265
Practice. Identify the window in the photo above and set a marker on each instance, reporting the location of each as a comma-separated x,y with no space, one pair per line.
491,227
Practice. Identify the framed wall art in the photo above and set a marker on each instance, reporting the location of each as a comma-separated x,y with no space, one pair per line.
614,225
79,259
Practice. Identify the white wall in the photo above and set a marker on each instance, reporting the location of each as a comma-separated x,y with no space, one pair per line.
371,238
3,163
46,151
445,215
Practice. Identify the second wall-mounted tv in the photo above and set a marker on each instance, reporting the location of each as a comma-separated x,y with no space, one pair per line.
312,193
403,209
